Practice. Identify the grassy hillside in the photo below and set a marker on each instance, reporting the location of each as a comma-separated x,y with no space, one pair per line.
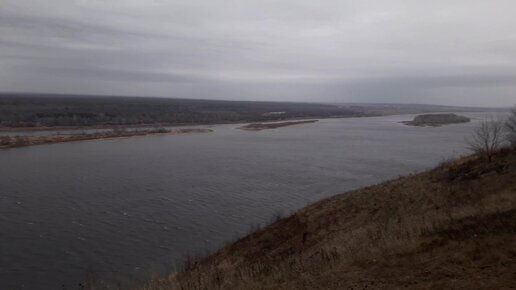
453,227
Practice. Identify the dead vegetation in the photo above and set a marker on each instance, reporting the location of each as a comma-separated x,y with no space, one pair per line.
264,126
453,227
488,137
510,127
31,140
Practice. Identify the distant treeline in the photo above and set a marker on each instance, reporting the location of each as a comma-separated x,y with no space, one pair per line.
51,111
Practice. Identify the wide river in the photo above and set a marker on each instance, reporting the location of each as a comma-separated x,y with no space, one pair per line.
124,209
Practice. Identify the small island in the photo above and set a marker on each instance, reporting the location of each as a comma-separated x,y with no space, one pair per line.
31,140
436,120
263,126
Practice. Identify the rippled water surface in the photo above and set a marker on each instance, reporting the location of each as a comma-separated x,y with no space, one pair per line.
125,208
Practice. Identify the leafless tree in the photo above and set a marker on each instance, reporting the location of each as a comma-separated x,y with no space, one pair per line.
510,126
487,138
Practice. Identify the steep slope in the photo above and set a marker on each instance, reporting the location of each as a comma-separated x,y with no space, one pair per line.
453,227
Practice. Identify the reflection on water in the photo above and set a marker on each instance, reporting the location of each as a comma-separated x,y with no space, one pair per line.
127,207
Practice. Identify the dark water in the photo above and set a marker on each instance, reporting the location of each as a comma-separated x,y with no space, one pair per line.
130,207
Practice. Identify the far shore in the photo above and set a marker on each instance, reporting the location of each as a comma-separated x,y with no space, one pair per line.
7,129
101,127
24,141
273,125
153,125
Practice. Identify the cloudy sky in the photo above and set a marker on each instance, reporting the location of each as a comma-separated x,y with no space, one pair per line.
459,52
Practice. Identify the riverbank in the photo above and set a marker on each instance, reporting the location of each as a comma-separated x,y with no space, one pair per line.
150,125
265,126
450,227
23,141
102,127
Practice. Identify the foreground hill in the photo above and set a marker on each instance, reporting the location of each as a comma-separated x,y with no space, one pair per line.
453,227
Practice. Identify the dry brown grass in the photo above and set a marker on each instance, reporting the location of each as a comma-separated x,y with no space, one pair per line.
7,142
450,228
274,125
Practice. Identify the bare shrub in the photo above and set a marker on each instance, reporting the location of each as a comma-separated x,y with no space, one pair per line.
487,138
510,126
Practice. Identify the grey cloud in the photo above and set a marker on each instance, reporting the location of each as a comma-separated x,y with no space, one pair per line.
119,75
432,81
333,50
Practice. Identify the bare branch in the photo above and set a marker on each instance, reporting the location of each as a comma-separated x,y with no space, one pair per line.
487,138
510,127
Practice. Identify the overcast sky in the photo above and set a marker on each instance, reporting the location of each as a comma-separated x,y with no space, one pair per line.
439,52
